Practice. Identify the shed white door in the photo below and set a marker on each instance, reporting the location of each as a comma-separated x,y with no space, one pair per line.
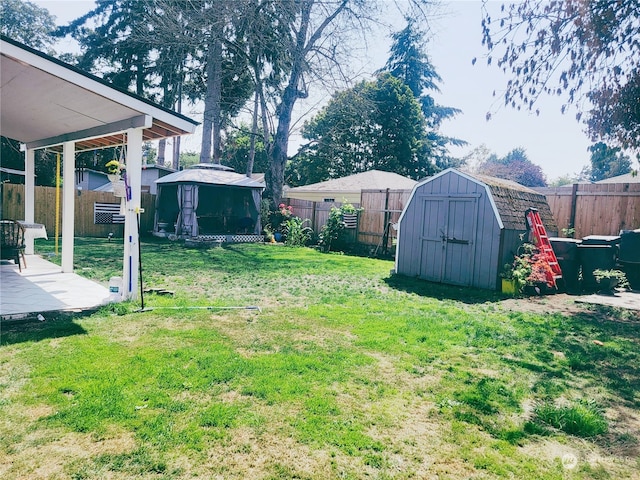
447,241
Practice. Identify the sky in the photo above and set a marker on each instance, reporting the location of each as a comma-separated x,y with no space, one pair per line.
554,141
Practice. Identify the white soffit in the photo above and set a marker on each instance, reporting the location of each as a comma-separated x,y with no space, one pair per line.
45,102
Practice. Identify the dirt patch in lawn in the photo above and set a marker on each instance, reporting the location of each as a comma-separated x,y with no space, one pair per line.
560,303
47,454
568,305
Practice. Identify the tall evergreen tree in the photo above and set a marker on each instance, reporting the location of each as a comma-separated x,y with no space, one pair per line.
409,63
115,43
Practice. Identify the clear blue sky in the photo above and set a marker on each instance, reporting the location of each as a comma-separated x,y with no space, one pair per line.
552,140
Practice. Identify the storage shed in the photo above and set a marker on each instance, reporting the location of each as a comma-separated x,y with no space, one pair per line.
460,229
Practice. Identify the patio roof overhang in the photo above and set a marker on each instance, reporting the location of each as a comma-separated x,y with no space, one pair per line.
46,102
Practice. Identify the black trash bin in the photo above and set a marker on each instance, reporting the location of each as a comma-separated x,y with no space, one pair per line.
612,240
566,250
629,256
594,257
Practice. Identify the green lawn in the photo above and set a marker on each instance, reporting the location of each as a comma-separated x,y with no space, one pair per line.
345,372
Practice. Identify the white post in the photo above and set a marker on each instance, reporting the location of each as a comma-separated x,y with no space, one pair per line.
68,205
29,194
131,235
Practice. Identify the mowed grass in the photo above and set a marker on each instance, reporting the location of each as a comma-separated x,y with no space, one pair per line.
345,372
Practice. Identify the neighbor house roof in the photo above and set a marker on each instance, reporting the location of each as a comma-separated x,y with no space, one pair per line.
631,177
371,180
155,166
211,176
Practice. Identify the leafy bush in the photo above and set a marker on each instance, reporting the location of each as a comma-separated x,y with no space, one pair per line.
278,218
529,268
333,232
296,233
604,275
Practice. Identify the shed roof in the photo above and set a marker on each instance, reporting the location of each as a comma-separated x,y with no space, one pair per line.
512,200
209,176
373,179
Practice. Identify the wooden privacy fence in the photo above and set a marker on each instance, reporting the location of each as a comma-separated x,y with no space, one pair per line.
380,209
595,209
592,209
316,212
85,210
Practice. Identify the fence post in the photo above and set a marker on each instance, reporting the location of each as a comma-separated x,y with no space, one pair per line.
574,201
313,217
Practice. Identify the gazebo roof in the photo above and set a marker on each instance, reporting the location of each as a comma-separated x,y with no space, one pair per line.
46,102
210,176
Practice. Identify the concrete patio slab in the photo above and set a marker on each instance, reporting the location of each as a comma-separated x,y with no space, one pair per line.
42,288
621,299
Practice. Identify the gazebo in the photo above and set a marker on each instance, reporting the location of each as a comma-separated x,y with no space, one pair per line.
209,202
49,104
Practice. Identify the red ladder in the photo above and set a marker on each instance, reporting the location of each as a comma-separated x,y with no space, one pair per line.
541,240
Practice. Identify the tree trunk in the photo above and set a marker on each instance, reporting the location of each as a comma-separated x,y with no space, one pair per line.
205,146
275,174
211,124
292,92
216,107
254,133
175,164
162,146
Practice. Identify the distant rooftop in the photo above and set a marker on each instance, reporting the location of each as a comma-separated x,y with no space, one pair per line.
371,180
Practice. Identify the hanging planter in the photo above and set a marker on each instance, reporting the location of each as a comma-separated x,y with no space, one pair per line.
115,177
119,187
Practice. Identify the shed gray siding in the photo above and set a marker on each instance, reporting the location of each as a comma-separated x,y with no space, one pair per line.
453,203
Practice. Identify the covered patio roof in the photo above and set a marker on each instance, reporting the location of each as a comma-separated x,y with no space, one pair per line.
46,102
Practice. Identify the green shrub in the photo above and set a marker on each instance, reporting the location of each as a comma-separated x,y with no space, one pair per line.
333,232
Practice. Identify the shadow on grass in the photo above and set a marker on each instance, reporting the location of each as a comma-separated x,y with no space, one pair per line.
441,291
55,326
604,343
597,348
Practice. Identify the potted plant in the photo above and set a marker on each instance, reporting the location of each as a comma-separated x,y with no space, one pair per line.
608,280
540,280
268,235
115,168
278,218
508,282
530,271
